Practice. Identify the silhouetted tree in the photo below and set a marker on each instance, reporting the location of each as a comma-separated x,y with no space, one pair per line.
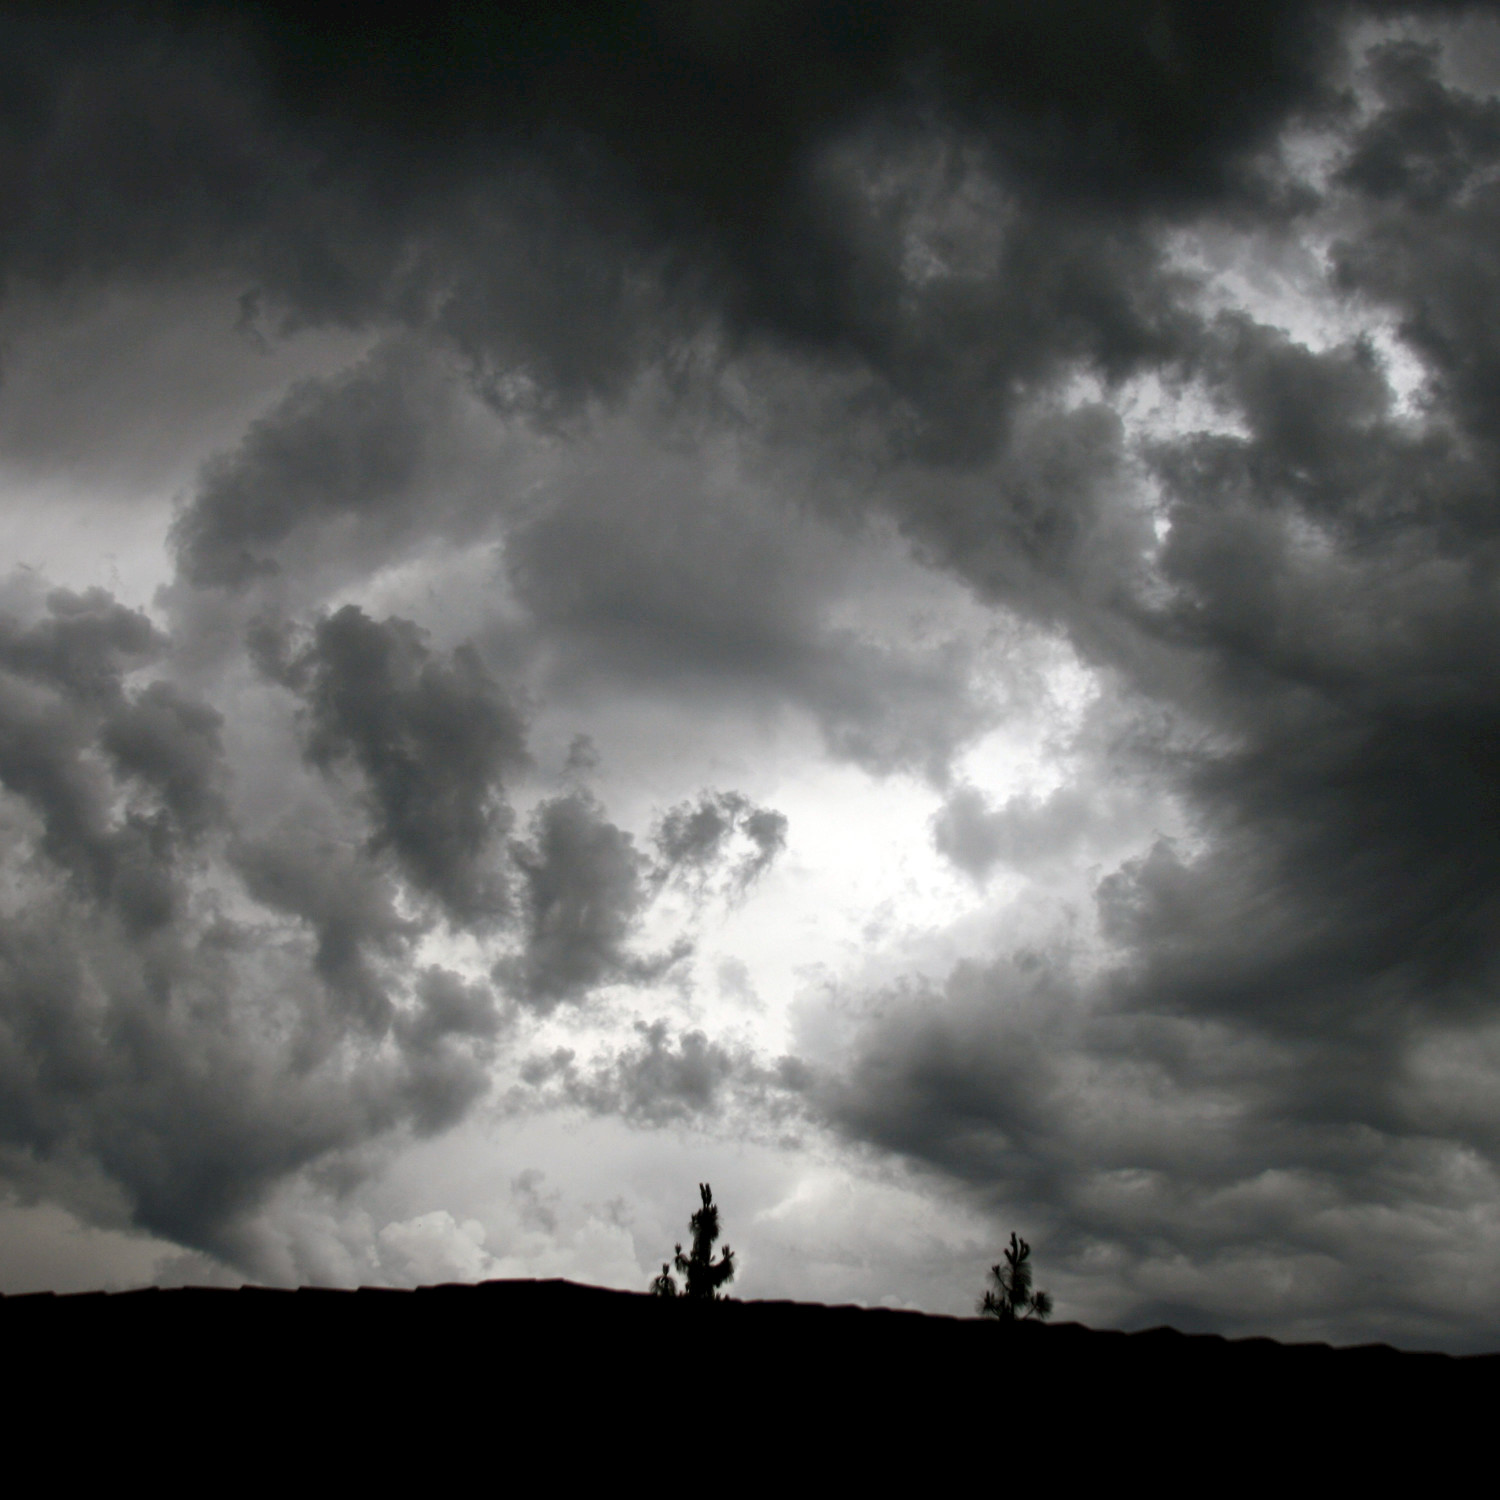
704,1275
1011,1297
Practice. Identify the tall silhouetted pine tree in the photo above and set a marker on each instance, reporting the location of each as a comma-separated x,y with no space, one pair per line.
702,1273
1011,1296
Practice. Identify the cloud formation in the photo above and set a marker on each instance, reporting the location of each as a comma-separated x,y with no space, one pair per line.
694,838
333,451
767,401
430,739
584,890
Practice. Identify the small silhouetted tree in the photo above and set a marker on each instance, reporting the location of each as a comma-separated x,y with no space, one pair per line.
703,1274
1011,1297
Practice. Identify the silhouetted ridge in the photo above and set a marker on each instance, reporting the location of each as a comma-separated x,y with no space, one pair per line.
385,1386
526,1306
587,1370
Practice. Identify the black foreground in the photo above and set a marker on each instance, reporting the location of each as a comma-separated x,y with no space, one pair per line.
345,1376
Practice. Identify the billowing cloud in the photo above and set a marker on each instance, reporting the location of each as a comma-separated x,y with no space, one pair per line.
349,904
447,1039
174,1084
343,451
695,840
65,701
658,1080
430,739
585,888
1059,438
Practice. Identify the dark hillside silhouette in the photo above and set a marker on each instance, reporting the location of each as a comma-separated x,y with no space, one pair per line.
1011,1296
702,1273
581,1375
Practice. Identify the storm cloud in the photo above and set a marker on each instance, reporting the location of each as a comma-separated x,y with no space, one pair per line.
975,525
430,741
585,888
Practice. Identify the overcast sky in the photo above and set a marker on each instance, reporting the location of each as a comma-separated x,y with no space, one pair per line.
893,607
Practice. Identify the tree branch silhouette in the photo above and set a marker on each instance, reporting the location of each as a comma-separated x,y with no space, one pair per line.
703,1275
1011,1298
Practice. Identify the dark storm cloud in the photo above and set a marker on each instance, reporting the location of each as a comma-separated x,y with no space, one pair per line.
172,744
710,139
584,889
82,645
348,902
448,1042
966,1079
1332,621
944,222
431,740
460,163
1425,147
1210,1178
1424,205
191,1074
1321,614
190,1121
190,1062
1349,870
1321,604
338,450
62,700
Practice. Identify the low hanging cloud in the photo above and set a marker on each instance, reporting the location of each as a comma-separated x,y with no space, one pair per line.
1315,617
1256,1169
202,1071
163,1064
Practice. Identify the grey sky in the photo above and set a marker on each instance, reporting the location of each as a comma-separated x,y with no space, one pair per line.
892,607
